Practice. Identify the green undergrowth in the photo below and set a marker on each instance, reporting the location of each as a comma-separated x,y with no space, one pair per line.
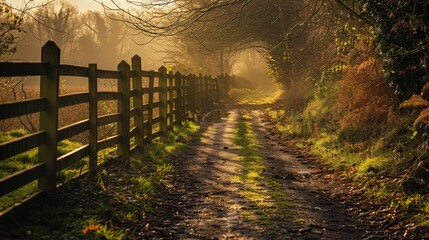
29,158
387,163
269,202
248,96
113,203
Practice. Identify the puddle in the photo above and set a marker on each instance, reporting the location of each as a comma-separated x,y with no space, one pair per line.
303,171
216,116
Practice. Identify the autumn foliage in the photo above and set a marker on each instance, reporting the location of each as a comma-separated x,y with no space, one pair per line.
421,104
365,99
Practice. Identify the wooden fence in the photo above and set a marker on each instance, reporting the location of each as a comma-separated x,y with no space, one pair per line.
178,95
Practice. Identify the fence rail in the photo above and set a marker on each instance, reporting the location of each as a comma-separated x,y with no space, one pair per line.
178,95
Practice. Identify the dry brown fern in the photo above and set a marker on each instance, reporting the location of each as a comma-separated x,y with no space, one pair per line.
418,101
425,91
423,117
364,97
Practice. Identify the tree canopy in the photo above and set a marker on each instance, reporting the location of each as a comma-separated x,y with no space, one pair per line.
290,31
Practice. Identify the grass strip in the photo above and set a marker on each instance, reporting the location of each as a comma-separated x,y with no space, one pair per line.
270,204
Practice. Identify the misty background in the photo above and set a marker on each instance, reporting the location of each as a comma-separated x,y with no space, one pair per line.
88,33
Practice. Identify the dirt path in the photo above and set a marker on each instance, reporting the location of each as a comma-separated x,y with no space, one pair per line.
212,194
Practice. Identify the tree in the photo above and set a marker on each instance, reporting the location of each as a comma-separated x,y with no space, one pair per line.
226,28
57,21
105,40
216,41
289,31
218,24
10,25
402,35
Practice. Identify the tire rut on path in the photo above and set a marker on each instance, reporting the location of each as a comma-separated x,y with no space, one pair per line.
203,199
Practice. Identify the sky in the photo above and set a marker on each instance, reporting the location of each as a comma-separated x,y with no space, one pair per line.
82,5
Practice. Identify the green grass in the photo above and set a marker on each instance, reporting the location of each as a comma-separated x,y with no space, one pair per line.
367,161
27,159
17,162
113,204
259,188
374,165
254,97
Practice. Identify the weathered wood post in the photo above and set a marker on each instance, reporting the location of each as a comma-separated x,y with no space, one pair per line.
222,85
185,92
211,89
171,101
93,128
49,89
227,84
195,97
200,95
150,106
215,95
201,92
163,99
195,93
138,100
180,108
192,81
124,110
217,90
206,92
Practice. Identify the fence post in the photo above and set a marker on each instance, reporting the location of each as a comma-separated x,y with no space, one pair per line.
179,97
227,84
200,92
219,87
214,90
206,95
217,92
93,129
138,100
150,106
124,110
191,94
211,88
49,89
163,99
171,100
195,96
185,99
195,93
223,82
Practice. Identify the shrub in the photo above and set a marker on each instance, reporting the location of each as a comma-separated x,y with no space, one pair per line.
419,102
366,101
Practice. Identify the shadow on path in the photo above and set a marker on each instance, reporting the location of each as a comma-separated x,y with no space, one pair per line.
204,200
